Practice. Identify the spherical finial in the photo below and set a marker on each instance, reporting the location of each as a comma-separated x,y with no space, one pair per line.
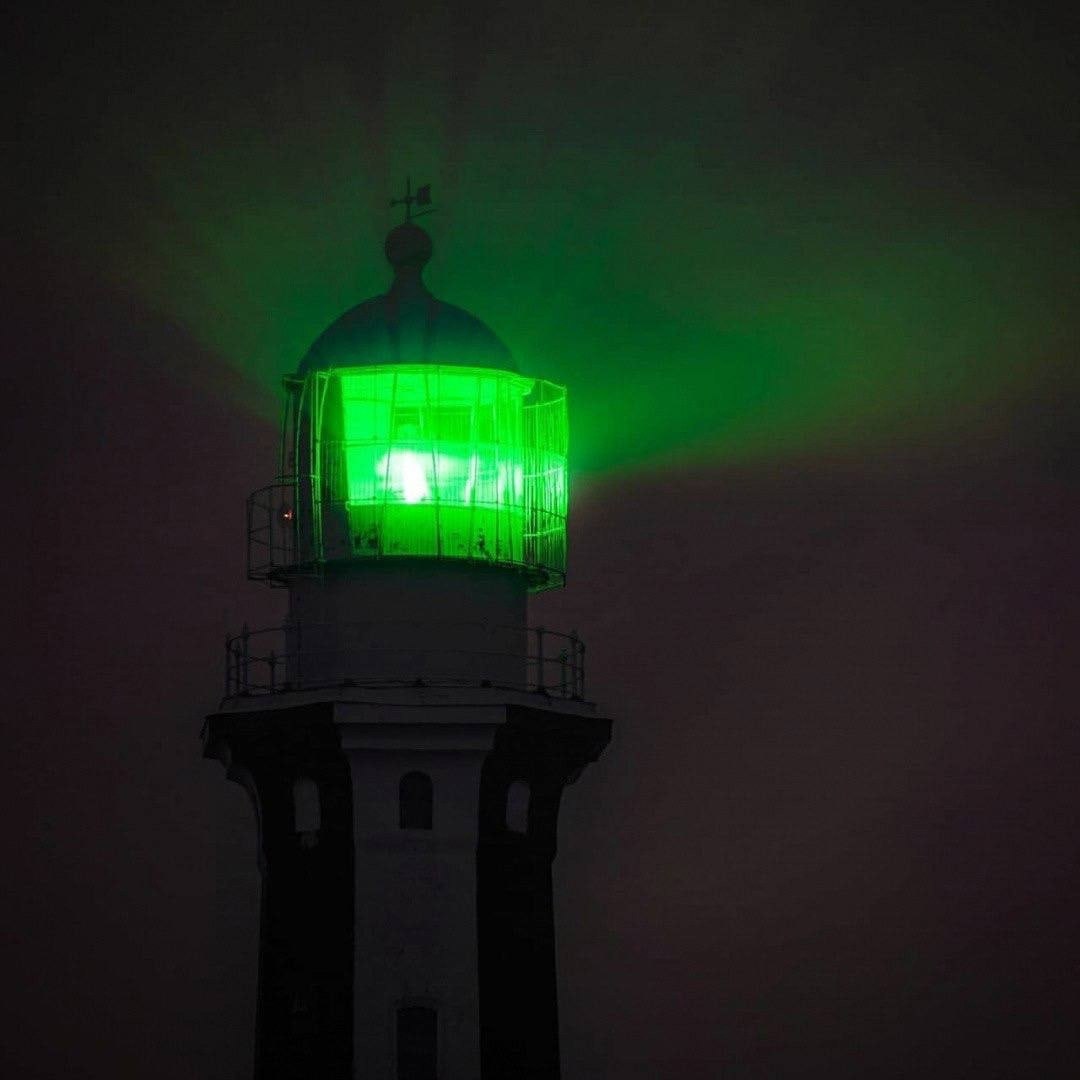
407,246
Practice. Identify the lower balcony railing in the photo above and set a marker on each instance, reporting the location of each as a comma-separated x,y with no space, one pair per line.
292,657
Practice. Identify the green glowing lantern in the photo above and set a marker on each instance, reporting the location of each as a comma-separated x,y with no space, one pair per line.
409,434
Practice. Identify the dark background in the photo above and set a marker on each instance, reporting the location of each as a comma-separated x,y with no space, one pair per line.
836,833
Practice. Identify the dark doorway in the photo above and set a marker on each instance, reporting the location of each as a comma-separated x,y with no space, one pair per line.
417,1043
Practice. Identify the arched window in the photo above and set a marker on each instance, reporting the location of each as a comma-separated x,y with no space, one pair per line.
415,798
517,807
307,810
417,1042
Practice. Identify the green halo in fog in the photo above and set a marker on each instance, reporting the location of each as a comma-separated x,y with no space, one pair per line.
697,291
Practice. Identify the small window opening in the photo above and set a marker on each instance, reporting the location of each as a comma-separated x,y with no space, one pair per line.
517,807
307,811
415,797
417,1043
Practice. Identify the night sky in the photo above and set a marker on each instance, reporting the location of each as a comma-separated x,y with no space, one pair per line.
810,273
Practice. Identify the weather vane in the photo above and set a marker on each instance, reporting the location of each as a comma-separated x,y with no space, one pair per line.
421,198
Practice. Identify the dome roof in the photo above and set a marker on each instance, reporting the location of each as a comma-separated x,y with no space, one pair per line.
407,325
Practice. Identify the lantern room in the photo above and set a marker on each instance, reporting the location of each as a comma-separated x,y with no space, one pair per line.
409,434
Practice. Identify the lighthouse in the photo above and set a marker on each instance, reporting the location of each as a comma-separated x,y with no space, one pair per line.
405,736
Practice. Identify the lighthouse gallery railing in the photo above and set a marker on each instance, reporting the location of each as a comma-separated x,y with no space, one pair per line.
272,660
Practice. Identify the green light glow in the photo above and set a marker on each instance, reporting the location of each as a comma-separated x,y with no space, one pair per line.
428,461
853,281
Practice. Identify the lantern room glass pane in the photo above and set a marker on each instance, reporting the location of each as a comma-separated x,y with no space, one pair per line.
449,462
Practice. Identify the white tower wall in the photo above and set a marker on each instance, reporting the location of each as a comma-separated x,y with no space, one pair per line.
422,620
415,893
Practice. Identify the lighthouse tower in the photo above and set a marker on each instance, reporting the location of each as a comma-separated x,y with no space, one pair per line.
404,736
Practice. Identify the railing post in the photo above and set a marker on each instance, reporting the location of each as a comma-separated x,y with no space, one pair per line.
228,666
575,669
249,518
581,669
540,658
245,634
563,657
272,661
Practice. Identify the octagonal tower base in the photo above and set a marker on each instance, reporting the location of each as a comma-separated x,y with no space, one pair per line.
406,839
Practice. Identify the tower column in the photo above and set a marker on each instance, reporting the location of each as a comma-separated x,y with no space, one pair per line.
291,763
536,753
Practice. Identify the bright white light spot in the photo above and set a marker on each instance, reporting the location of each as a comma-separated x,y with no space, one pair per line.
406,474
414,486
